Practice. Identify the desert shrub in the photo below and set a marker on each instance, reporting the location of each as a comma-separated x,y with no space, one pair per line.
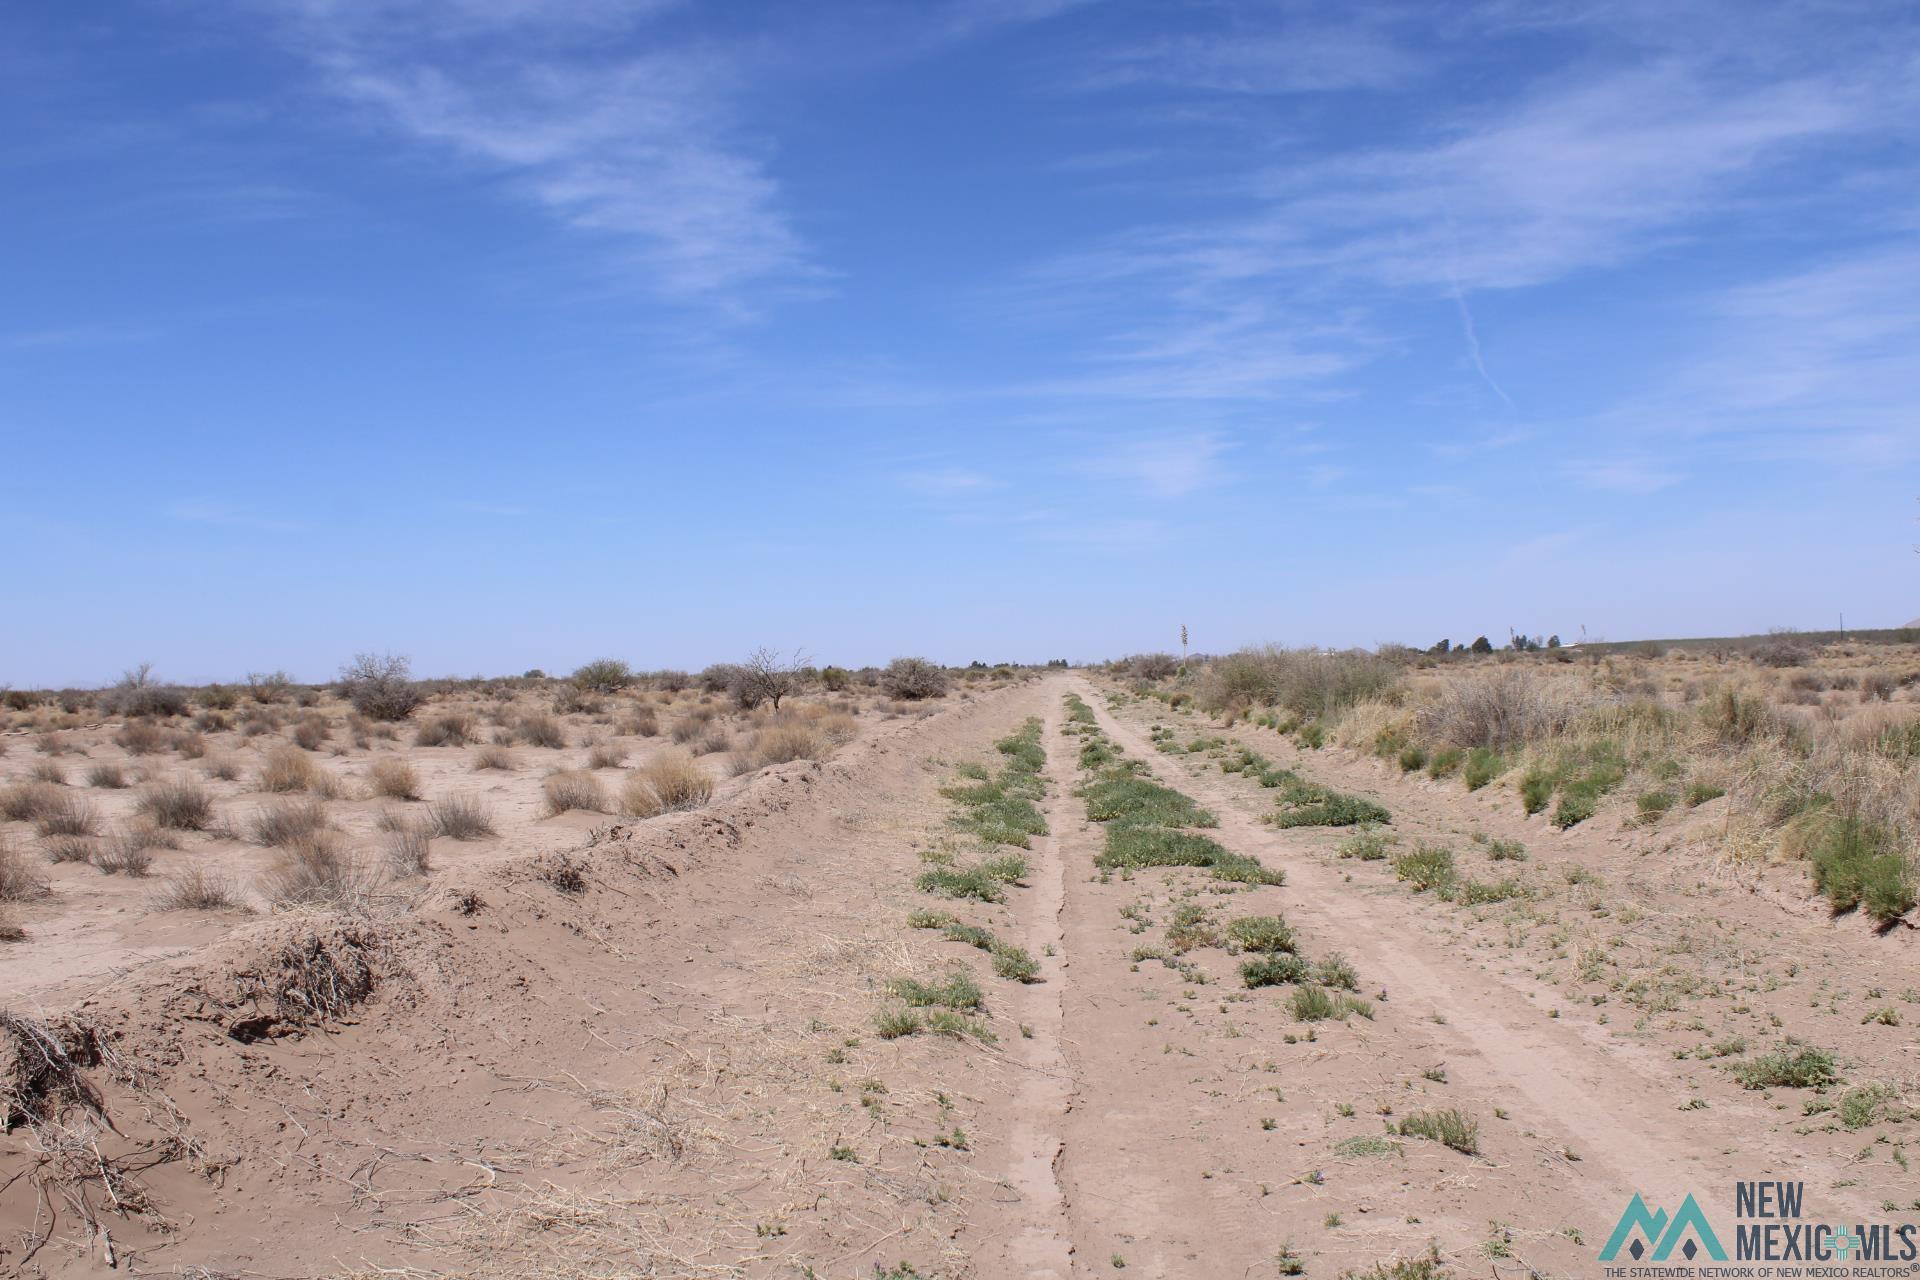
834,679
380,686
1858,864
1261,933
1499,711
283,823
669,781
780,743
713,741
1737,718
717,678
189,746
1502,850
1153,666
179,805
141,738
670,680
494,756
540,730
197,889
642,723
126,854
1427,867
394,779
26,801
955,991
49,772
603,675
1306,682
139,694
573,789
67,815
1701,792
70,848
1653,805
310,733
461,818
18,881
606,755
1275,970
1316,1004
225,768
1802,1067
317,871
1445,762
1336,972
913,679
1450,1128
268,687
1781,651
408,851
217,697
1306,804
448,729
1368,845
287,769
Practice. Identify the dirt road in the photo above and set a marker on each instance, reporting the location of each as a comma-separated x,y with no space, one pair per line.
664,1061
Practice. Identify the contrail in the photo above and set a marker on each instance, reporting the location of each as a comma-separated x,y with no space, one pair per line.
1473,345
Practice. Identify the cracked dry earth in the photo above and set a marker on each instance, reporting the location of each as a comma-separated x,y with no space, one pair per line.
667,1062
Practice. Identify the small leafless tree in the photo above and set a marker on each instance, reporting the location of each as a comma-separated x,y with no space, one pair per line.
766,677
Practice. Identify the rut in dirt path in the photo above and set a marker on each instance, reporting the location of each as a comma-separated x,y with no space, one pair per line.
1611,1103
1041,1244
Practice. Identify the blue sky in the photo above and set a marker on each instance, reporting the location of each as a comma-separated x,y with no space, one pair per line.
507,337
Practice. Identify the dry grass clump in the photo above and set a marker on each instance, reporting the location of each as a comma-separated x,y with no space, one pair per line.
692,725
18,881
179,805
197,889
225,768
573,789
1501,710
318,871
283,823
70,848
1306,682
668,782
107,776
288,770
189,746
310,733
461,818
10,930
394,778
141,738
642,723
494,756
780,743
67,815
129,853
606,755
26,801
449,729
541,730
713,741
409,851
49,772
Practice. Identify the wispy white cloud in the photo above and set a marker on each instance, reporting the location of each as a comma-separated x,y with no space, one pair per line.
1164,466
1624,475
641,149
227,516
947,482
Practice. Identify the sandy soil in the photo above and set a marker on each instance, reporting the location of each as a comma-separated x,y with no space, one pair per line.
648,1049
